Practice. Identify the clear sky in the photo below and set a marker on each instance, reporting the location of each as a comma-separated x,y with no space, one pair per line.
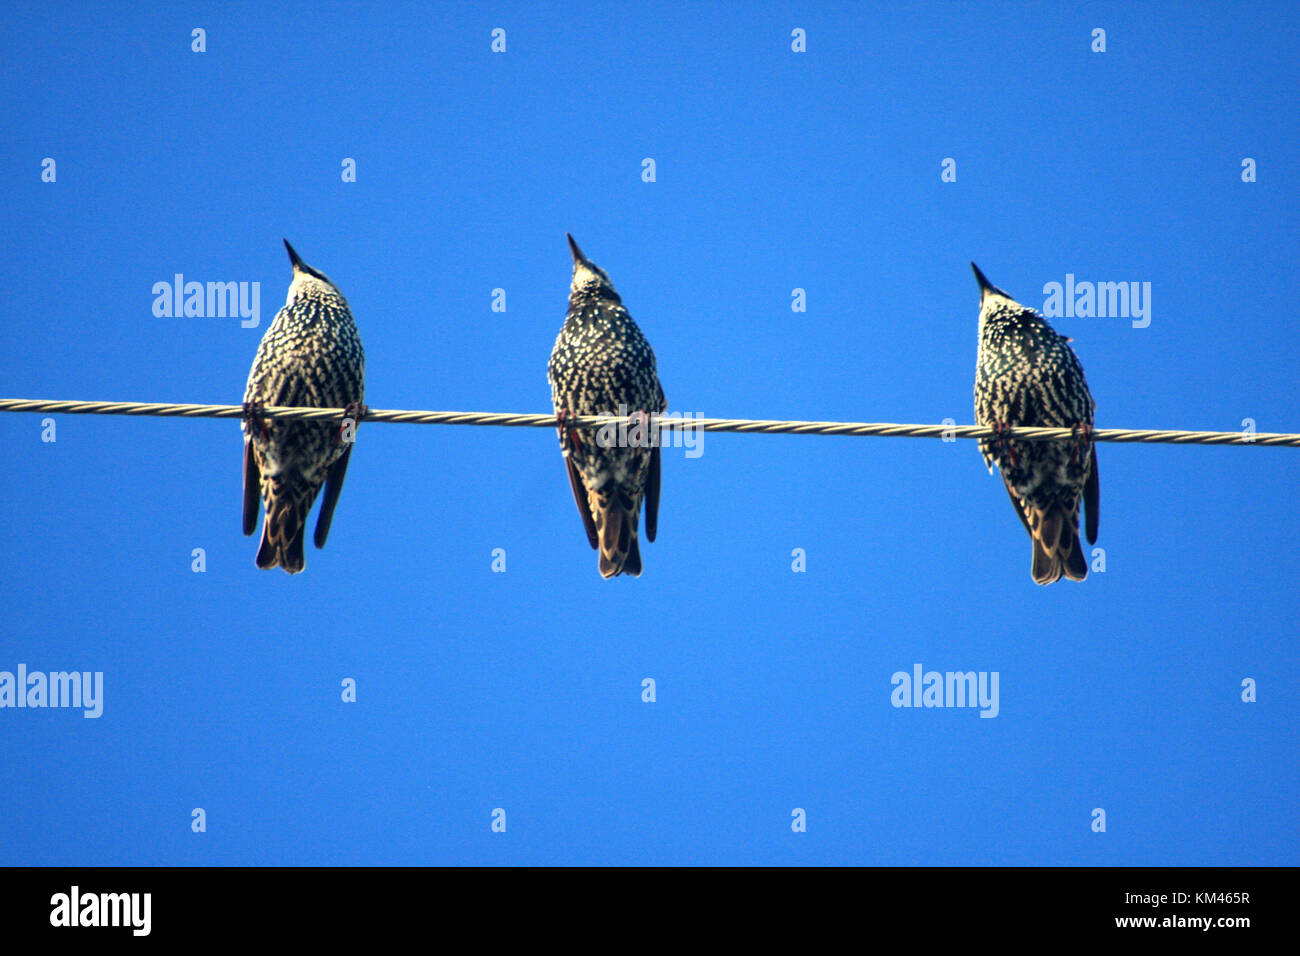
775,170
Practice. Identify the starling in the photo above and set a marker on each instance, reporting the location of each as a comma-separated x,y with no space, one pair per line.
310,356
1027,374
602,365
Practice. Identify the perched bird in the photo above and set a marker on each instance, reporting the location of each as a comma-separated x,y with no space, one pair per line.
310,356
1026,374
602,365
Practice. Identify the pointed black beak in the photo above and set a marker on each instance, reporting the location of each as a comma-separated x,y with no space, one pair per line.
294,257
985,284
573,247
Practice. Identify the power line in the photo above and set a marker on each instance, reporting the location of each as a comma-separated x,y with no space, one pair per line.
743,425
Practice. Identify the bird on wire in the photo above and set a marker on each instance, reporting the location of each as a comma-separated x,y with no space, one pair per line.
603,365
310,356
1026,374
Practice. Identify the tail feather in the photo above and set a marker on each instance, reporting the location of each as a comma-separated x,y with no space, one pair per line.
616,517
632,563
1047,567
1076,566
288,500
1056,545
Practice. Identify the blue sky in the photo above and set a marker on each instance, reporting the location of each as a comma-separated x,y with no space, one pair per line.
521,690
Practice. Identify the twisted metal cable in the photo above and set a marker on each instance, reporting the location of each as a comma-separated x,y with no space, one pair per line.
760,426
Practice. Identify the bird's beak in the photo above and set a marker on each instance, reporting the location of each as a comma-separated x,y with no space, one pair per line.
293,256
987,288
985,285
573,247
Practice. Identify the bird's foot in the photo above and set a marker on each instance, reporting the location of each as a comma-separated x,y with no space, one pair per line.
256,422
1002,443
353,412
1082,440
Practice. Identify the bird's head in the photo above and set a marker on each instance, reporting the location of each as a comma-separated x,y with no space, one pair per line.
589,277
987,288
993,300
304,274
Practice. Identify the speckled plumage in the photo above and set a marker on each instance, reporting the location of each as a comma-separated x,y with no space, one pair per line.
600,362
310,356
1027,374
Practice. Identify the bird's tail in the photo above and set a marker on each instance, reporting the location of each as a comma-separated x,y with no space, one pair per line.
288,498
616,515
1056,545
